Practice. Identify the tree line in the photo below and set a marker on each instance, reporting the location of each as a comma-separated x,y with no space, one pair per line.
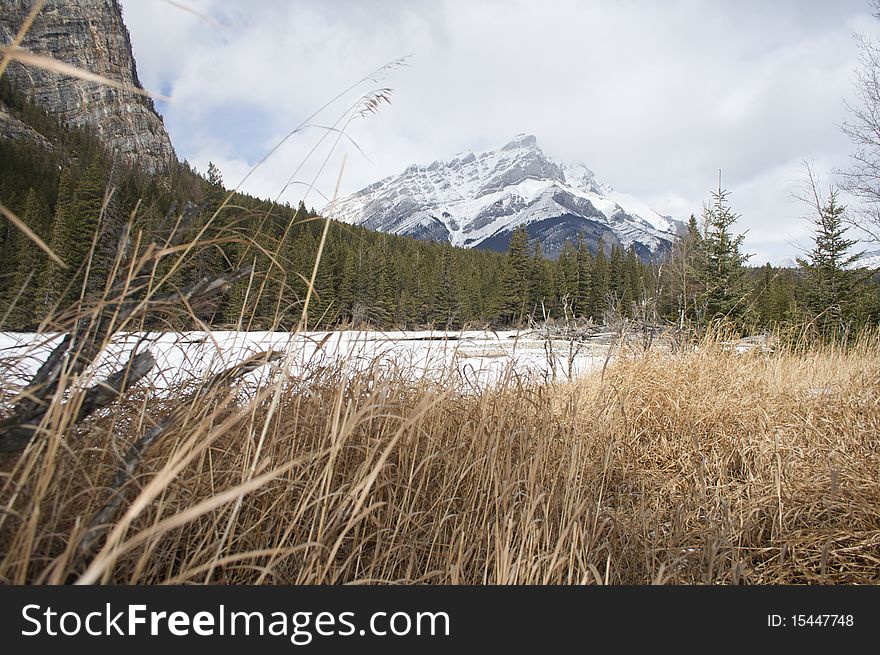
80,202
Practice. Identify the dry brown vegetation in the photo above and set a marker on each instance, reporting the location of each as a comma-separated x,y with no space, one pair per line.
695,466
704,466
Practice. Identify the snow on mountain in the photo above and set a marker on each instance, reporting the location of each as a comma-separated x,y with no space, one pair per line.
477,200
870,259
778,262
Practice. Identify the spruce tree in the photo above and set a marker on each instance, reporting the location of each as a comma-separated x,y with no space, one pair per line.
380,287
444,305
567,276
29,265
634,284
601,284
828,266
720,267
616,273
75,232
541,282
216,192
56,279
515,281
585,277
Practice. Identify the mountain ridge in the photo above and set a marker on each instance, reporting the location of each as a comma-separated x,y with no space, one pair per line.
477,200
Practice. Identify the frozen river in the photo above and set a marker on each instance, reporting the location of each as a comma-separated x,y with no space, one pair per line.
471,358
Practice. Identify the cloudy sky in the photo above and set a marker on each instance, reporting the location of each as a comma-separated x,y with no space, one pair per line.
654,97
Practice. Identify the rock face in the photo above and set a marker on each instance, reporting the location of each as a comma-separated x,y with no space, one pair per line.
89,34
14,129
476,201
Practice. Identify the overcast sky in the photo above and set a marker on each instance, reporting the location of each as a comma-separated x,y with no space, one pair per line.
654,97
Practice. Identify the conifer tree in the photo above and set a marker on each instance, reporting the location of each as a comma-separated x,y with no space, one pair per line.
216,192
541,281
29,265
783,304
515,281
760,304
585,277
379,287
346,293
634,284
567,278
324,306
56,279
828,266
75,230
617,279
720,267
444,304
601,284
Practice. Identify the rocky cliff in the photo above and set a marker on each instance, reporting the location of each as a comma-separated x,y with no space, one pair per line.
89,34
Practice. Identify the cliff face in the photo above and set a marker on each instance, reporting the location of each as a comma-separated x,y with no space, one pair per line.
89,34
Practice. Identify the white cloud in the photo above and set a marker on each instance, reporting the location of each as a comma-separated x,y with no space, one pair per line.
654,97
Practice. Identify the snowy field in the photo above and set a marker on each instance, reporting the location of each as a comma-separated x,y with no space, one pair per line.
473,359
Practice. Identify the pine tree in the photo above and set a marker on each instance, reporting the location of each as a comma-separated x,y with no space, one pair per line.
216,190
567,276
633,282
761,304
380,287
29,266
720,266
601,284
585,277
444,309
63,242
828,266
541,282
616,274
515,281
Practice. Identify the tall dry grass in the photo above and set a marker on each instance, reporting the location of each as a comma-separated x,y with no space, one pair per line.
696,467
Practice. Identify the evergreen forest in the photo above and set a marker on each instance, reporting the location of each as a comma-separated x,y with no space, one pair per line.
78,200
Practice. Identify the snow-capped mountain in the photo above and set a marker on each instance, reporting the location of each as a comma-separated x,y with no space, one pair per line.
870,259
477,200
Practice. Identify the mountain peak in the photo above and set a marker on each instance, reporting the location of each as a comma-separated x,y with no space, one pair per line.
522,141
476,201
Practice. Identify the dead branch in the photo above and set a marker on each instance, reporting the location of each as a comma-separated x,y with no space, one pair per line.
16,432
103,518
126,301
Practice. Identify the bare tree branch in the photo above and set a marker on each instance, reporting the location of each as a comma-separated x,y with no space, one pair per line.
103,518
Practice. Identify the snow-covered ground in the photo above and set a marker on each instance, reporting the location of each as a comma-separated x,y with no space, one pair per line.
472,359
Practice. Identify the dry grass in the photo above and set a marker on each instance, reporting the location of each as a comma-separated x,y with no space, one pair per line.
699,466
696,467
